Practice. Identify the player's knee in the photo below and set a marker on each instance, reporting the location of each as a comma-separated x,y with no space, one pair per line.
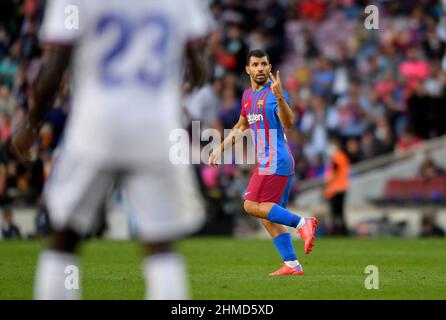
249,207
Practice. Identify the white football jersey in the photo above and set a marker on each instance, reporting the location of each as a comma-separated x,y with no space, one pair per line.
125,72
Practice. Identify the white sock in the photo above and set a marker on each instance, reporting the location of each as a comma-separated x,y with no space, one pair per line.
57,276
292,264
301,223
166,277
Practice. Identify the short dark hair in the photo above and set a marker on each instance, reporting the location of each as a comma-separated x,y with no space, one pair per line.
258,53
335,138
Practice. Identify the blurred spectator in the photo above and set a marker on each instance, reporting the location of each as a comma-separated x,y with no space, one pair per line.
352,113
317,168
8,69
46,138
343,70
429,228
308,46
415,69
337,178
315,124
9,229
4,196
376,109
323,78
5,127
7,100
312,9
233,50
384,136
381,227
369,145
203,104
41,220
230,107
353,150
296,142
432,45
430,170
408,140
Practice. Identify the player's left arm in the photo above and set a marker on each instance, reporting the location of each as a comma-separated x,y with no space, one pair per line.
55,61
286,114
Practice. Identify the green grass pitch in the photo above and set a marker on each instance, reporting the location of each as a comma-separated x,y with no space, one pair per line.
226,268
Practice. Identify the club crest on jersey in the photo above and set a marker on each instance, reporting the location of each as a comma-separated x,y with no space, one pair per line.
260,103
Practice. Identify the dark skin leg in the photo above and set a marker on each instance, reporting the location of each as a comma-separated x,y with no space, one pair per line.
157,248
64,241
68,241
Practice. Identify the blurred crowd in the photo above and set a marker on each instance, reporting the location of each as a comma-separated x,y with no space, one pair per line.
379,90
20,60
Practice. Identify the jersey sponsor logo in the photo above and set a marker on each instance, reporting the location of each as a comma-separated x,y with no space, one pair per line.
253,118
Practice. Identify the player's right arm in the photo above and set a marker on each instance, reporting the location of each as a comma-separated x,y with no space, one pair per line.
58,41
55,62
232,138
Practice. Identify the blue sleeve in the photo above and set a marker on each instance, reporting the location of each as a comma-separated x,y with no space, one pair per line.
287,99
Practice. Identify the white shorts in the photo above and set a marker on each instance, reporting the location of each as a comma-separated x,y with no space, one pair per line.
164,197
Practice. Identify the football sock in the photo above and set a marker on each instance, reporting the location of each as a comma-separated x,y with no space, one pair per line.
285,247
166,278
300,224
282,216
292,264
54,281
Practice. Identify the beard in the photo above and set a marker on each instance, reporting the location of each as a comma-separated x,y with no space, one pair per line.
261,81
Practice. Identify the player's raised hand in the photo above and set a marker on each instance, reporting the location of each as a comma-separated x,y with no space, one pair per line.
213,159
276,84
21,143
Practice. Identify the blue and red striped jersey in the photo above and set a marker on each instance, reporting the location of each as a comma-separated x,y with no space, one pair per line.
272,150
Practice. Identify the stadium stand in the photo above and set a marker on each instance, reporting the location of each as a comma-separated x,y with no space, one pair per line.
382,91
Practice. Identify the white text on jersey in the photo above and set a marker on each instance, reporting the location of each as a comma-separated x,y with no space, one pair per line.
253,118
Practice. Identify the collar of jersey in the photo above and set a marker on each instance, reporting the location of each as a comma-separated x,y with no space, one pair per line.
266,86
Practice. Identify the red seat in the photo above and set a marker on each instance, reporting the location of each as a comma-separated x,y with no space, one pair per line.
435,188
414,188
394,189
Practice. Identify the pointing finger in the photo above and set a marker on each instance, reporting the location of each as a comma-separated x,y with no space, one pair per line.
278,80
271,76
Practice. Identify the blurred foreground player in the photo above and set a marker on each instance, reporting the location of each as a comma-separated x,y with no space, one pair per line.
126,59
266,110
